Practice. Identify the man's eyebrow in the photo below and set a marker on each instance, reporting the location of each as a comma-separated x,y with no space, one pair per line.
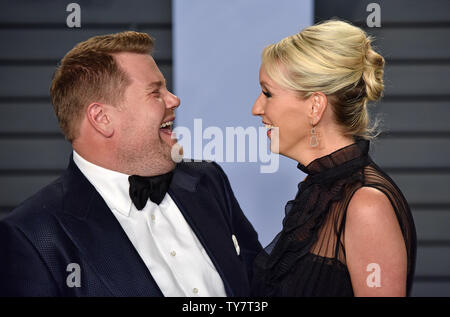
156,84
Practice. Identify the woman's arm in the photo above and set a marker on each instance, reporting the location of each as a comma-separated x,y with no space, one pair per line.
375,249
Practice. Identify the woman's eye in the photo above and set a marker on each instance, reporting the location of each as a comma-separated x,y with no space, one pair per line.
267,94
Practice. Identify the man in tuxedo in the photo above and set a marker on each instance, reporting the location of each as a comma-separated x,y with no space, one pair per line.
125,219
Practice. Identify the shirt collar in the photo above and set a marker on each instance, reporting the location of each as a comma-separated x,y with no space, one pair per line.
111,185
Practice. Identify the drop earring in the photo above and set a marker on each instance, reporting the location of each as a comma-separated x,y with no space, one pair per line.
313,141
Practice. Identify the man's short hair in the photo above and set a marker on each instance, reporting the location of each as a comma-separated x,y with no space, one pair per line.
89,73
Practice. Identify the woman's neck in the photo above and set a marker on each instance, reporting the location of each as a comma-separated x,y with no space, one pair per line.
305,153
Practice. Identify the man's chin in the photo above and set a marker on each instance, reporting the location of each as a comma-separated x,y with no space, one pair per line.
176,153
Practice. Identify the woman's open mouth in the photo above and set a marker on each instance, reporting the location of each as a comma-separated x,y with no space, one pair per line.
269,128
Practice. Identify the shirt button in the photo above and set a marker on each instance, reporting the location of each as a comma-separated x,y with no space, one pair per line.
153,217
195,291
173,253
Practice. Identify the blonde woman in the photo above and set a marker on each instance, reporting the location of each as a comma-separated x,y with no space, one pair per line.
349,230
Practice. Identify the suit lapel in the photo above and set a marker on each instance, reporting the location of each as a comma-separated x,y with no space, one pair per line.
106,248
203,213
102,241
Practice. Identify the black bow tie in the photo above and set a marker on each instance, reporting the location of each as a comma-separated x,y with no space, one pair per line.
153,187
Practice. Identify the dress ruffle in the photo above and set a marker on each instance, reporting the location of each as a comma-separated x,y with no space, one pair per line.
327,182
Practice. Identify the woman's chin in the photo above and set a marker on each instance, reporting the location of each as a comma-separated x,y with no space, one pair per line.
274,138
275,150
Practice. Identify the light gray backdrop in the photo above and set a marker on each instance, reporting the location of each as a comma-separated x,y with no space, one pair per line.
216,56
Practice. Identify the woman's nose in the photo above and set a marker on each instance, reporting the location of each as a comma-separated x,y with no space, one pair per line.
258,109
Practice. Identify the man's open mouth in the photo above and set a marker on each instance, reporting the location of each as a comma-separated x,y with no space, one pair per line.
166,127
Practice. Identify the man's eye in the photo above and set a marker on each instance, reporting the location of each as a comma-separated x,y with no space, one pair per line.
267,94
155,93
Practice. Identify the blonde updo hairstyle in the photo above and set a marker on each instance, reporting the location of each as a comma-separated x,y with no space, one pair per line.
336,58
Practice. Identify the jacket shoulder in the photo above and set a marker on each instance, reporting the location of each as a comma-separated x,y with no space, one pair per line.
37,209
197,167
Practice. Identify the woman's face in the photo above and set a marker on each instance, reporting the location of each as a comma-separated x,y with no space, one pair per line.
283,109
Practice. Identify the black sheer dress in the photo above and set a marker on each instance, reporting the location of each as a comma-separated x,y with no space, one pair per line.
307,258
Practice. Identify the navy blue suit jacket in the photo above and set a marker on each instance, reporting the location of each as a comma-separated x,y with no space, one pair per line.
69,222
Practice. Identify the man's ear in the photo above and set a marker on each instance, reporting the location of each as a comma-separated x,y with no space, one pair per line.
100,119
318,104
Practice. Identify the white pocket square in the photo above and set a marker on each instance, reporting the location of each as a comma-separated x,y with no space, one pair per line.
236,244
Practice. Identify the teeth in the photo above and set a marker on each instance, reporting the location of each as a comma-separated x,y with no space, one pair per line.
269,126
166,124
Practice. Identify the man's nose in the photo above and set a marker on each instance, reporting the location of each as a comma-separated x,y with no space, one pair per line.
172,101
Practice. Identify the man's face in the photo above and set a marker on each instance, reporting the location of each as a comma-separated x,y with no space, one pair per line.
143,146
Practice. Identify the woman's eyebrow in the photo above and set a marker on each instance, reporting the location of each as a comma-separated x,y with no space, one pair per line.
263,83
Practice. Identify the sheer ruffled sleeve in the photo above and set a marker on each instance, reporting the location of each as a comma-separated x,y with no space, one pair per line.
307,258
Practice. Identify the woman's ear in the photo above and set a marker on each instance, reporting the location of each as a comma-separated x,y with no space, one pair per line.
100,119
318,103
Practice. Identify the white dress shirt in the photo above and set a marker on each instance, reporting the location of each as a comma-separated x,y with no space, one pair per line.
164,240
